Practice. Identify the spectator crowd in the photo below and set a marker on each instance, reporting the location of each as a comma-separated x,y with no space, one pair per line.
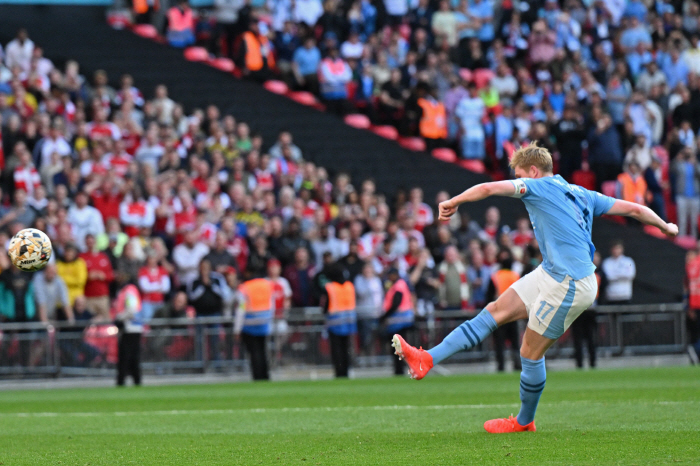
611,88
134,190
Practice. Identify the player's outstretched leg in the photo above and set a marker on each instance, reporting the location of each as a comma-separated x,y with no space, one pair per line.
465,337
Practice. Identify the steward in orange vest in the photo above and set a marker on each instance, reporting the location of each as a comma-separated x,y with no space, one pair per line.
341,318
181,25
398,311
254,323
501,280
631,185
433,121
255,55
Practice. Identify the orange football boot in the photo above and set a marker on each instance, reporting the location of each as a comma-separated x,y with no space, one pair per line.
419,361
507,426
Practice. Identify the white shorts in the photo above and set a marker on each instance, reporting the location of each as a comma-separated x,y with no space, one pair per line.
553,306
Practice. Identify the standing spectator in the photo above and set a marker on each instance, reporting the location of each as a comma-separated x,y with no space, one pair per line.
51,296
73,271
187,257
25,175
692,270
19,51
300,276
219,257
687,175
255,55
500,281
619,272
333,75
282,301
454,288
424,280
327,242
569,133
17,304
352,262
20,212
640,152
370,294
154,284
128,265
181,25
585,327
341,317
206,293
85,219
398,313
127,307
253,323
470,111
604,152
479,277
226,13
135,213
631,186
656,186
99,277
305,63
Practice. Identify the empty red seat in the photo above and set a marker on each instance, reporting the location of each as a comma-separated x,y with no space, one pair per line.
196,54
146,30
477,166
608,188
482,77
445,154
303,97
223,64
386,131
466,74
276,87
416,144
687,242
357,120
653,231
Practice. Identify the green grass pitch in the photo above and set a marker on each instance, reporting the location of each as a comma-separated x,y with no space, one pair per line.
621,417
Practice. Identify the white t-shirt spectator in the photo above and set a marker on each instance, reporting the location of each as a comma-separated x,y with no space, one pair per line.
620,272
351,51
19,54
150,155
187,261
84,221
49,146
307,11
370,294
470,110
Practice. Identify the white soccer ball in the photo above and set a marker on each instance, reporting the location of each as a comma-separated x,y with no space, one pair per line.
30,250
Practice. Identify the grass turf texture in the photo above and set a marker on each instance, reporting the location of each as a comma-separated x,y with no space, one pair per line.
630,417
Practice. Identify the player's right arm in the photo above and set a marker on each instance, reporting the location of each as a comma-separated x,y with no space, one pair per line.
644,214
476,193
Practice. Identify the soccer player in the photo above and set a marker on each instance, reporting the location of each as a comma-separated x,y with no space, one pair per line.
553,295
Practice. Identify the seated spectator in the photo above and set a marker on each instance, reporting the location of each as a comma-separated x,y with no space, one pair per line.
154,284
51,294
99,277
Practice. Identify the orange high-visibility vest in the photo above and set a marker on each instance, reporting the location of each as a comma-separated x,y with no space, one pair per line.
632,190
141,6
503,279
692,268
406,301
179,21
341,298
258,295
254,51
433,123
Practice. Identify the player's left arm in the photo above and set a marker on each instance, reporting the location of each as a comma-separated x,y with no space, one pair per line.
644,214
476,193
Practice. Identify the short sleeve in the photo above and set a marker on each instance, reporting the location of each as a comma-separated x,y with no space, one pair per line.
601,203
521,188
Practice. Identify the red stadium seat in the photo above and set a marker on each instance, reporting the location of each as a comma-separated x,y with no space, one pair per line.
303,97
276,87
223,64
482,77
416,144
477,166
386,131
357,120
687,242
146,30
608,188
653,231
466,74
445,154
196,54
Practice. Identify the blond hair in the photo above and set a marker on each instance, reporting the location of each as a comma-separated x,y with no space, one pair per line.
532,155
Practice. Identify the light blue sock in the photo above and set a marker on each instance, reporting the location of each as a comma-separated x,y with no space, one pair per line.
532,380
465,337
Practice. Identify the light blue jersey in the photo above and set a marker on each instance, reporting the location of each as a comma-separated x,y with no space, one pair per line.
562,218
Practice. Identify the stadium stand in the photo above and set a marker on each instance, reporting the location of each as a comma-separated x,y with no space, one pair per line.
184,161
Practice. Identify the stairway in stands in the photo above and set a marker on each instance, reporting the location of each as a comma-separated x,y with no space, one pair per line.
81,33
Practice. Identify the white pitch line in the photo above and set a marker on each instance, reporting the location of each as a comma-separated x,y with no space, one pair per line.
183,412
